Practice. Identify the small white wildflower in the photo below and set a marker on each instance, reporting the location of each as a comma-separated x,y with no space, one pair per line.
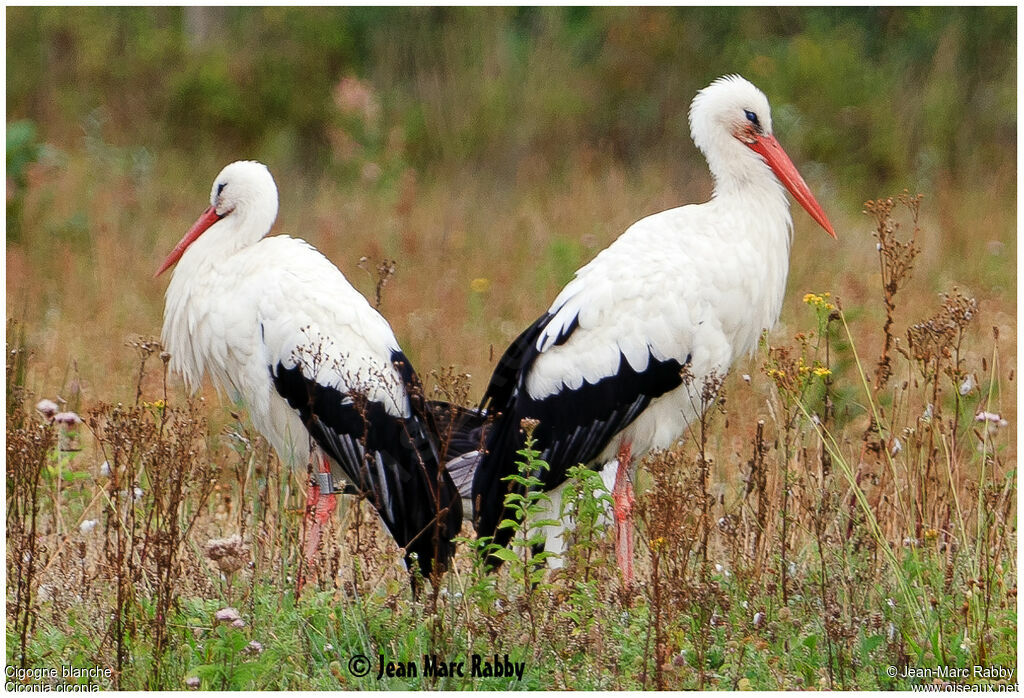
328,647
105,469
47,408
878,246
744,604
792,569
968,385
67,419
896,447
988,417
137,493
227,615
746,377
192,683
238,624
892,632
927,416
87,526
759,619
890,602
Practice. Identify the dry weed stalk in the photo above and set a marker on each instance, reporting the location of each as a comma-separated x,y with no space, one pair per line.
895,261
676,516
30,446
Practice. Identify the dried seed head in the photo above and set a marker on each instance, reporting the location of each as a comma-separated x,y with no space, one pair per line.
228,554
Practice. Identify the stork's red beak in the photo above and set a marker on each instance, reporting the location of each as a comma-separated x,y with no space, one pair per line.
208,218
768,148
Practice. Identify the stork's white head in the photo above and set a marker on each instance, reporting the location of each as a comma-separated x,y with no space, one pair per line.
731,123
243,207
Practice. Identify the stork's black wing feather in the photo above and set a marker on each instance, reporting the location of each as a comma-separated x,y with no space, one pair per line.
392,460
574,425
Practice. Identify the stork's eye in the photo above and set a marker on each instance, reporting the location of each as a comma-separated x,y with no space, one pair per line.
752,118
220,187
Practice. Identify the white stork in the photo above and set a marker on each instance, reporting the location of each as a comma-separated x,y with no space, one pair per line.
279,328
689,287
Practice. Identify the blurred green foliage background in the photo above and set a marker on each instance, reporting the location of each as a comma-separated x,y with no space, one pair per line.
887,97
489,151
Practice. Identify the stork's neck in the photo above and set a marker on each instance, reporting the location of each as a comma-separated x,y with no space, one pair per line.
758,206
745,174
756,192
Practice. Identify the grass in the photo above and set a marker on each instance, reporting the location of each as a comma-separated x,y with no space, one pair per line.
826,518
839,509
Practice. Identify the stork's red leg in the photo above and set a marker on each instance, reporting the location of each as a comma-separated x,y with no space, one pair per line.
319,507
622,495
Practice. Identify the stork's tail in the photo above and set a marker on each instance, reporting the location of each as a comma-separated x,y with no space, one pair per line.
461,433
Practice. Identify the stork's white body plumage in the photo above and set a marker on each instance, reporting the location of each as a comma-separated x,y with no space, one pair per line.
233,316
662,291
282,331
690,287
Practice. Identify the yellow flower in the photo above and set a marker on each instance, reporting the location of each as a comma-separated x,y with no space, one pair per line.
819,300
821,372
480,285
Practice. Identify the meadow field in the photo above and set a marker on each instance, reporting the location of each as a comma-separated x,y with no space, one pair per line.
844,516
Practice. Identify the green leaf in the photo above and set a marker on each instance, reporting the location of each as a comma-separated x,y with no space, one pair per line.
505,554
870,644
